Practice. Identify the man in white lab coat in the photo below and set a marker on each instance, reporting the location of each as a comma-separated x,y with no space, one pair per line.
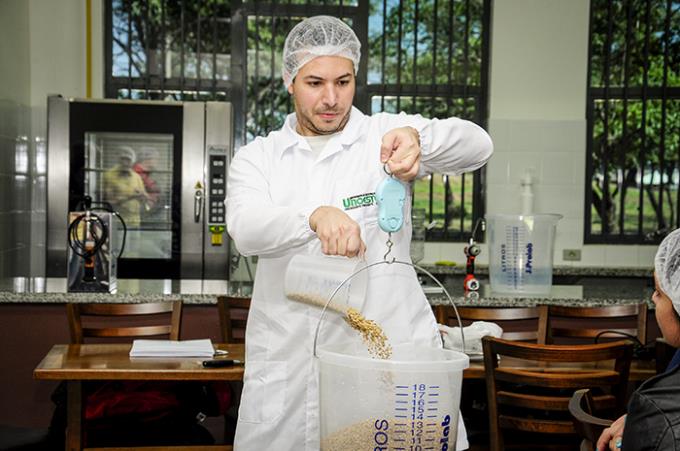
297,191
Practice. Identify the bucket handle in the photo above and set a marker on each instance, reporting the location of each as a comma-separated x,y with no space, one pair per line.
389,262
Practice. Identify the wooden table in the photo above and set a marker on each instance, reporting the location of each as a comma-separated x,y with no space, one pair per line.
76,364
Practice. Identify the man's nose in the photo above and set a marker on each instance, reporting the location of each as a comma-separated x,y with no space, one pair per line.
330,95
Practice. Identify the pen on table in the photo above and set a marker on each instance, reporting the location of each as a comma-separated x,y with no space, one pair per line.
218,363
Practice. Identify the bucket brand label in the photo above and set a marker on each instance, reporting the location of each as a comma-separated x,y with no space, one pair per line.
360,200
380,437
446,430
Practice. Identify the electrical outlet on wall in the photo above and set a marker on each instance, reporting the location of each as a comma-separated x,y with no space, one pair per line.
573,255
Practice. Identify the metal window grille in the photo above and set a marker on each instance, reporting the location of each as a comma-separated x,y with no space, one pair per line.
168,49
431,57
633,114
419,56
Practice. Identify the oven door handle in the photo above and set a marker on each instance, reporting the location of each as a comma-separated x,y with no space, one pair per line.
198,204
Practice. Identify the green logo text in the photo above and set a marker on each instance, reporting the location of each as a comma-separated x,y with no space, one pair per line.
361,200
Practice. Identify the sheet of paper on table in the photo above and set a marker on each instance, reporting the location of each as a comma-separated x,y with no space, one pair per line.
172,348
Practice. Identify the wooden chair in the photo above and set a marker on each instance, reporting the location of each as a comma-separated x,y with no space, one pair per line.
124,321
582,325
529,400
233,313
589,427
518,323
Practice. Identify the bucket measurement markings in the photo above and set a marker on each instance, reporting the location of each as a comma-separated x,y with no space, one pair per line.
416,406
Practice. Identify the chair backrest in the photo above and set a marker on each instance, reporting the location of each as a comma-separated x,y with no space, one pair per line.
233,318
584,324
128,321
589,427
530,391
518,323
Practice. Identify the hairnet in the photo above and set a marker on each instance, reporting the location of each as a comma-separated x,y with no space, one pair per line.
127,152
667,267
318,36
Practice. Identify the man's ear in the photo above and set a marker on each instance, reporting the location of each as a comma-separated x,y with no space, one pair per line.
290,87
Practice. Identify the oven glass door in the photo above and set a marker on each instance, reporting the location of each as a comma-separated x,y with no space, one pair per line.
128,156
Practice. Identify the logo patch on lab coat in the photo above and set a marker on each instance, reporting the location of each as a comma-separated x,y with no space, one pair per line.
360,200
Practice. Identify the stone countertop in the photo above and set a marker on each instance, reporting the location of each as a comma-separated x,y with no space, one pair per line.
570,295
591,293
583,271
53,291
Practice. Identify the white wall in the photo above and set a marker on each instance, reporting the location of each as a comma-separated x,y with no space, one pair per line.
537,112
14,51
57,52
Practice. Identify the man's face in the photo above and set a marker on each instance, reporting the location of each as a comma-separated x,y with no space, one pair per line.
323,91
666,317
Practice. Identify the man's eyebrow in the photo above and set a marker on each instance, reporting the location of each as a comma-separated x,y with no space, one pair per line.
316,77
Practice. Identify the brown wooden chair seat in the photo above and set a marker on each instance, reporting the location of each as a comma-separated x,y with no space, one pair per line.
589,427
518,323
528,394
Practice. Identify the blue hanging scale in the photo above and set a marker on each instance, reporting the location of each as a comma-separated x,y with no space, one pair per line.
390,196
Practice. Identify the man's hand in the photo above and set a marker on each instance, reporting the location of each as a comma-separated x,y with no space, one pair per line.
400,149
339,234
610,439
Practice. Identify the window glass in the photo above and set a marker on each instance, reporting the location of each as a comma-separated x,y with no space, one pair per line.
132,172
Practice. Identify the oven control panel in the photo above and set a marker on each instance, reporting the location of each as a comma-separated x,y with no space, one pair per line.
217,190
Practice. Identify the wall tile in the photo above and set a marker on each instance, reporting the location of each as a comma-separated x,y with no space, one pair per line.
498,168
622,256
562,199
593,255
499,131
556,168
646,256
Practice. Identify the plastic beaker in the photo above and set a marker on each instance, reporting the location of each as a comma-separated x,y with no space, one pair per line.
521,252
411,400
313,278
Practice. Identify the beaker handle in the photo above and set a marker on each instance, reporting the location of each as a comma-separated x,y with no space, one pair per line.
390,262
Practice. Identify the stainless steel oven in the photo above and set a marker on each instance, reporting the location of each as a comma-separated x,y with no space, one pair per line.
161,165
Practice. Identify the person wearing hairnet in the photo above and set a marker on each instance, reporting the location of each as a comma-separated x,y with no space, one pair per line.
292,193
653,419
124,188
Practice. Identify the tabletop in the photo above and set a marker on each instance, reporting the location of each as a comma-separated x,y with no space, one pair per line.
112,362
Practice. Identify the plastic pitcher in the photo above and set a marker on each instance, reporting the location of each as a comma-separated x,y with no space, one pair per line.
521,252
408,402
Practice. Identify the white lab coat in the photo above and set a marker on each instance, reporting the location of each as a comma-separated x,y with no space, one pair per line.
274,184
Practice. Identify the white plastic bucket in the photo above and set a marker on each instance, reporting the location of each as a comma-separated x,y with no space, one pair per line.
315,277
521,252
408,402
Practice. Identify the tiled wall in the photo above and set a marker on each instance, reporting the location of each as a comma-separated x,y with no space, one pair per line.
16,188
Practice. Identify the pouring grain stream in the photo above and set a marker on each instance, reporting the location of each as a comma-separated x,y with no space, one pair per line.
371,333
